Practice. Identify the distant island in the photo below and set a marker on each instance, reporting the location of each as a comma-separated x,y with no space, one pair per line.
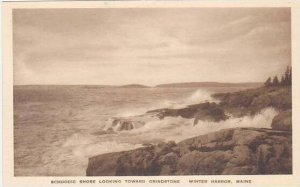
133,86
210,84
196,84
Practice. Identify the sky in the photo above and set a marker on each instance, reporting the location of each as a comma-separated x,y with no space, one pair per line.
149,45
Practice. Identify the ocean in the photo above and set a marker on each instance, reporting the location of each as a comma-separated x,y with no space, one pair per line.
57,128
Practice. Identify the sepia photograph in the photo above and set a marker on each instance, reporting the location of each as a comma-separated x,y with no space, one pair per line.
152,92
171,91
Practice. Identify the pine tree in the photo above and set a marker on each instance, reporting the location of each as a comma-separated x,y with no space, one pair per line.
286,76
282,81
286,79
275,81
268,82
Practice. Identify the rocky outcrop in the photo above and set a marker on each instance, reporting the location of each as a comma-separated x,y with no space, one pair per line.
210,112
204,111
121,124
129,123
249,102
229,151
283,121
237,104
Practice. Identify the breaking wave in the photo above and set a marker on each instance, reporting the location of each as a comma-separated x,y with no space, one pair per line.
178,128
81,146
78,133
198,96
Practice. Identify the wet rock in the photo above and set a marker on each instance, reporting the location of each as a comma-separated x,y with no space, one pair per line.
283,121
212,112
103,165
169,159
248,137
204,111
263,154
188,163
241,156
229,151
139,162
123,124
198,163
169,163
278,150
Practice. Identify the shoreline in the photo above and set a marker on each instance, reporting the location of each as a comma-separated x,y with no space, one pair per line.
241,103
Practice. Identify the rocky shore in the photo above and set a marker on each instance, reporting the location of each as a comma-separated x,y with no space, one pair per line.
249,102
231,151
234,151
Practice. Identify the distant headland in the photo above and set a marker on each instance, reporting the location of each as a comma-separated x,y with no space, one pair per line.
167,85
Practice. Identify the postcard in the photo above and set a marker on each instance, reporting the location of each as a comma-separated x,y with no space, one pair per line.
150,93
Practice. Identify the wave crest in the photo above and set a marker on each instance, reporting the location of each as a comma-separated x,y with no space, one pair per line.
178,128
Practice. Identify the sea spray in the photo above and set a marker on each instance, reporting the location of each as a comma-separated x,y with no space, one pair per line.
178,128
196,97
263,119
134,116
57,136
200,96
84,146
79,147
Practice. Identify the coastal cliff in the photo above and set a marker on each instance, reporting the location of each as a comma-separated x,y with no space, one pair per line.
233,151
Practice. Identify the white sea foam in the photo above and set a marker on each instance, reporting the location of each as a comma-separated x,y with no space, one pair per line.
198,96
96,148
178,128
81,146
261,120
78,139
173,128
155,130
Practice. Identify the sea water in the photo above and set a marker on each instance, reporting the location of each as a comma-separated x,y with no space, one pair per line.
57,128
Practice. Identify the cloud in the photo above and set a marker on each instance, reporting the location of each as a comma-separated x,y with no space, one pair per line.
119,46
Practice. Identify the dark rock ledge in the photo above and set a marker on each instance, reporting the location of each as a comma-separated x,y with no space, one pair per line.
231,151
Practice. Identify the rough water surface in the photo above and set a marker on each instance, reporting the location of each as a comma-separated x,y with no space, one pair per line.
57,128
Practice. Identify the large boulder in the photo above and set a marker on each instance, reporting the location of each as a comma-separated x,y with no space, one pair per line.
283,121
229,151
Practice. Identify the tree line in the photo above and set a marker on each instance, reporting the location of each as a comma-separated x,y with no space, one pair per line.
286,79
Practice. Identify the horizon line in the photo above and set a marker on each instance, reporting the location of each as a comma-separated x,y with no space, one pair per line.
117,85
